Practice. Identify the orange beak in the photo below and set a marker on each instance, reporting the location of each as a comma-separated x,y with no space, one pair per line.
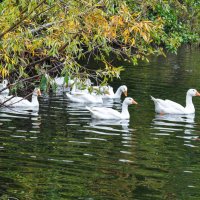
134,102
125,93
197,94
39,92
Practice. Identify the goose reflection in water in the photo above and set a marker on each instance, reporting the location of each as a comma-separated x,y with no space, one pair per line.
112,127
175,118
110,123
12,112
176,123
25,116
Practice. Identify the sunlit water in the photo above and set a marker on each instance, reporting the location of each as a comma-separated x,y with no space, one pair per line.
61,153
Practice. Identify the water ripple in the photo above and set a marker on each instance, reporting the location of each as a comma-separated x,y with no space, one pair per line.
61,153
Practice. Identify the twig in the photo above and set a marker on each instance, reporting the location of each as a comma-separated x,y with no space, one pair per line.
45,26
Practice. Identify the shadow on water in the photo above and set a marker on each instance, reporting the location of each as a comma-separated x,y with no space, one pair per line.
61,153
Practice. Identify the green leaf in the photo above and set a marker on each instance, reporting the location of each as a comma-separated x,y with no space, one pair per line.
43,83
66,79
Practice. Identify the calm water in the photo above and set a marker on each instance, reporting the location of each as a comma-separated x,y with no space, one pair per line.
61,153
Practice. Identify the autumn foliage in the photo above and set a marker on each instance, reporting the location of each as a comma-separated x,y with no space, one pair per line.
53,36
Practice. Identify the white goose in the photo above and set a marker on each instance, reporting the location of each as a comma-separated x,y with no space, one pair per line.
60,81
74,85
117,94
109,113
84,98
2,86
75,90
21,102
79,83
61,85
171,107
107,91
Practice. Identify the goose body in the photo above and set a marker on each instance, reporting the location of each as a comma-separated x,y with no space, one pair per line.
3,85
74,85
61,85
75,90
21,102
171,107
109,113
60,81
84,83
106,91
117,94
84,98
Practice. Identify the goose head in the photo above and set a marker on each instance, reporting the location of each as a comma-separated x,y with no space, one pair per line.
124,89
88,82
36,92
129,101
5,82
193,92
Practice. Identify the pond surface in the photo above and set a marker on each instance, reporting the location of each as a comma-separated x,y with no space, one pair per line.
61,153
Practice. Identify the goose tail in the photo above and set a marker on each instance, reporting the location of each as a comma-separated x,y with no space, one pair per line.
152,98
88,108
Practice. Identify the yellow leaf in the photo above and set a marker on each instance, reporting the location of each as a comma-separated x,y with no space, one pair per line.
4,72
133,41
147,27
120,21
126,32
145,37
134,28
6,58
126,35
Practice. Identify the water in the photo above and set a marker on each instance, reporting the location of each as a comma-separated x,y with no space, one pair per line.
61,153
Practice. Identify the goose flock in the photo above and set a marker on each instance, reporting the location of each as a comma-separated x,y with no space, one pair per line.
99,95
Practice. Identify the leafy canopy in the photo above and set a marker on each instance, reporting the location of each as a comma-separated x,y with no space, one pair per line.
54,36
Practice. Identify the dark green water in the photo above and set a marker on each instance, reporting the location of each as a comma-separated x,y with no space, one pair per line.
60,153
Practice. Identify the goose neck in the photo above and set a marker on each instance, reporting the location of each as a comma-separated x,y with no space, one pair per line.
189,103
125,109
73,88
118,93
35,100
